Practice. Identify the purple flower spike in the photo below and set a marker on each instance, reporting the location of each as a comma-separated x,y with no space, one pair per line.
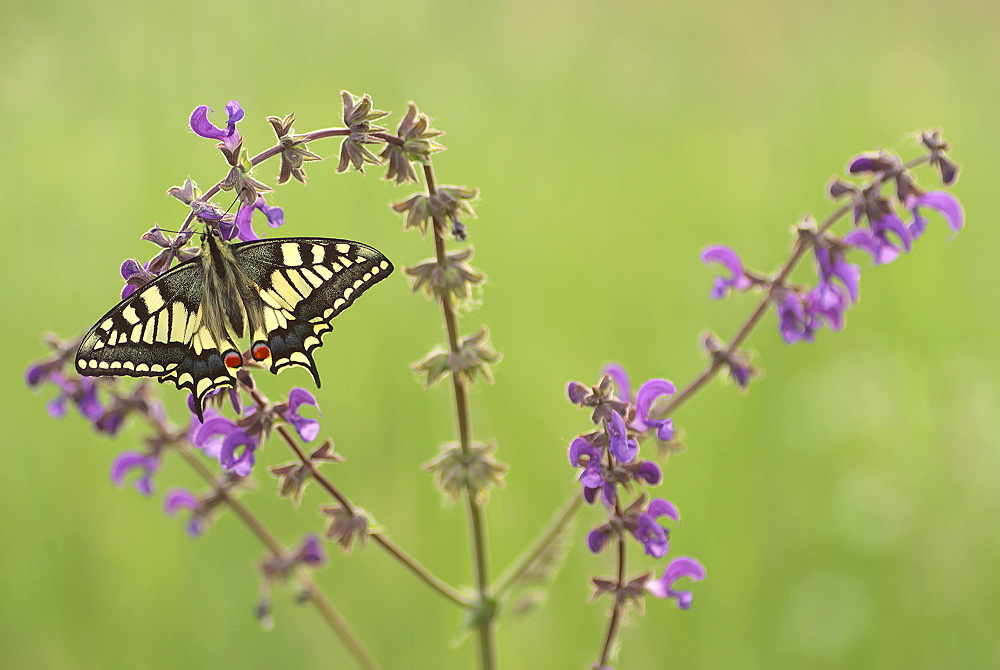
648,393
132,460
307,429
622,447
682,566
945,203
230,137
597,539
242,464
723,255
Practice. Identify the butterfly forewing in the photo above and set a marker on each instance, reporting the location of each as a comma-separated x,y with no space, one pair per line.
148,333
304,283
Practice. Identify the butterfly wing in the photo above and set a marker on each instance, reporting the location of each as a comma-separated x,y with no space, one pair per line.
148,333
304,282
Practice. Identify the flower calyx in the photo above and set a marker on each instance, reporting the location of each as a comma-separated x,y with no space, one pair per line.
417,146
293,150
455,277
358,115
475,472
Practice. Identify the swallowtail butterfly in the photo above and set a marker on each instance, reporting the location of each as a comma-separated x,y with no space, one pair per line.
281,293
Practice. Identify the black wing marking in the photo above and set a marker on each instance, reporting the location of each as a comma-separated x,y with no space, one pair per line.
148,333
304,283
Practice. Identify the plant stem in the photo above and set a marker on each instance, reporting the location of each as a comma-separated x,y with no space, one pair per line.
383,541
614,623
306,582
551,532
477,518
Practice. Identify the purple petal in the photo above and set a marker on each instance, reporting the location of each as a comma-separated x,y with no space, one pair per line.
623,386
892,222
948,206
862,163
235,113
649,392
127,460
579,447
307,429
621,447
859,238
227,455
34,375
591,477
590,494
650,472
275,215
179,498
609,494
217,425
661,507
725,256
850,275
244,225
203,127
311,552
57,406
682,566
597,539
576,392
298,397
652,536
130,267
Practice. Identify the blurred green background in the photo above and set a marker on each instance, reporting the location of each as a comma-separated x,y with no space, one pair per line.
847,508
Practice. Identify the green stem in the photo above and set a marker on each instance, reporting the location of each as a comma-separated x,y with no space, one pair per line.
544,540
306,582
477,517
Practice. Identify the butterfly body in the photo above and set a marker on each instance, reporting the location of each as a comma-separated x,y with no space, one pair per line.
182,327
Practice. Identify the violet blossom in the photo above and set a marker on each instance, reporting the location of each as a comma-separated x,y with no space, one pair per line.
680,567
134,460
729,259
230,137
945,203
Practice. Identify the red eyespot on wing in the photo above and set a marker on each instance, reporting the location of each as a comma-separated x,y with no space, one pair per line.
260,352
233,360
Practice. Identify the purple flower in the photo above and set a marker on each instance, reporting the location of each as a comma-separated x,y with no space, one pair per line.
649,472
307,429
243,463
134,460
794,322
945,203
597,538
652,535
647,395
135,276
234,437
592,476
230,137
682,566
82,391
729,259
182,498
311,551
244,216
827,302
876,241
622,447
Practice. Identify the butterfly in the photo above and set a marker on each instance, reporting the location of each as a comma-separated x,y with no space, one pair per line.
282,293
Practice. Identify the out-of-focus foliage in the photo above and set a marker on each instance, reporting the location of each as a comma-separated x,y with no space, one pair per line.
847,509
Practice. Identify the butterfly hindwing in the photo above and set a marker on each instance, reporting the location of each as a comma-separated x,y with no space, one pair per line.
148,333
304,283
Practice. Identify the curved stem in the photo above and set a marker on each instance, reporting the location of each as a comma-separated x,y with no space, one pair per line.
544,540
316,596
380,538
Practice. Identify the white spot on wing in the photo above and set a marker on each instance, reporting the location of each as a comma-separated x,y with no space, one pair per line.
324,271
178,322
154,300
290,254
318,251
344,248
130,315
